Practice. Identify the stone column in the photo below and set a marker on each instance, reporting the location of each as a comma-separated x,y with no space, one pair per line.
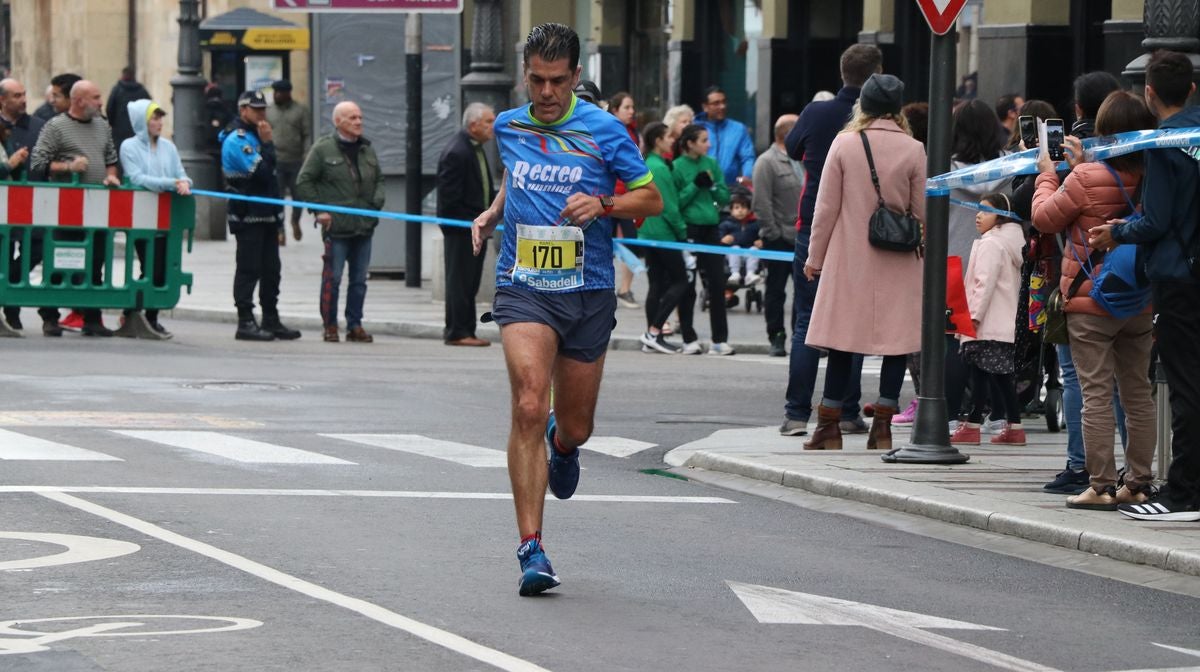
190,123
1170,24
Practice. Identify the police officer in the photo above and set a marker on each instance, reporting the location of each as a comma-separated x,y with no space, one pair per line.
248,163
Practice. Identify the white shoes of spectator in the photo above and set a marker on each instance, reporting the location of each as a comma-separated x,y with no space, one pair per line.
735,279
753,279
692,348
657,343
722,349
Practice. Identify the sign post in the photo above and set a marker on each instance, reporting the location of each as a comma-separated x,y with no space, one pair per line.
412,149
930,441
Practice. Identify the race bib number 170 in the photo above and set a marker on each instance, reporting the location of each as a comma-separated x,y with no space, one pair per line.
549,258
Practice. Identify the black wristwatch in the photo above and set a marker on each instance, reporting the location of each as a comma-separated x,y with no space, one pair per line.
606,202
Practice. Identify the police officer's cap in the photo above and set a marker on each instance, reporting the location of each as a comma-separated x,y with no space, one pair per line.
587,90
253,99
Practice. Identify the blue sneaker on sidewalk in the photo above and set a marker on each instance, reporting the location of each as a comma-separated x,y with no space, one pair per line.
564,469
536,573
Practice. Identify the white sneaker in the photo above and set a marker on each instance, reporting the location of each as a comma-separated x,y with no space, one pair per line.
658,344
994,426
735,279
753,278
692,348
721,349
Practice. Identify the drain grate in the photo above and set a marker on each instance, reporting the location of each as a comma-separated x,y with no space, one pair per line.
241,386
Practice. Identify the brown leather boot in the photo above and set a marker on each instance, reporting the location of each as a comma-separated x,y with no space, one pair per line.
880,437
827,435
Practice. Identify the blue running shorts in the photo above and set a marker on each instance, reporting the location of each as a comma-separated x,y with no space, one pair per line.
583,320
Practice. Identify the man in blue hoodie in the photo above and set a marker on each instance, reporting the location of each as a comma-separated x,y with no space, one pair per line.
1167,234
728,140
152,162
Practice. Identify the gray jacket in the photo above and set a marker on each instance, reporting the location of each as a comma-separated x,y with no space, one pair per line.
778,182
291,126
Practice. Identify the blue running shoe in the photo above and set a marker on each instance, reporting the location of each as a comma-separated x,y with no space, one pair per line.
536,573
564,469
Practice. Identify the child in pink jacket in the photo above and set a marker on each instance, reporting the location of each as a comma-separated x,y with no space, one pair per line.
993,284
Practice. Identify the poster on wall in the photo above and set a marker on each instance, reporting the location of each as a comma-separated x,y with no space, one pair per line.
262,72
335,90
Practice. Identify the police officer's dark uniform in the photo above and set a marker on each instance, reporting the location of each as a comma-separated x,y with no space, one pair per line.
249,168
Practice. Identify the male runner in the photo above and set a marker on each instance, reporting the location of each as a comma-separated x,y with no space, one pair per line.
554,277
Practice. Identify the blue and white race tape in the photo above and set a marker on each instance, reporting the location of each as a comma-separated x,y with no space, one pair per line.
462,223
1094,149
985,208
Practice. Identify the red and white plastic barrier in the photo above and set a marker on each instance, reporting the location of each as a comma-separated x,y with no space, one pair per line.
91,208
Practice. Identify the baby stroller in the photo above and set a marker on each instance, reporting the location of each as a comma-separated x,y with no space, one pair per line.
753,293
1039,389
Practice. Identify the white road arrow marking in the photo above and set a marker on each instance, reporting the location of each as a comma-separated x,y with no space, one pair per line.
775,605
616,446
79,549
1178,649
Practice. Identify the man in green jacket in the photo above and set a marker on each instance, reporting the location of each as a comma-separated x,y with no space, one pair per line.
342,169
291,123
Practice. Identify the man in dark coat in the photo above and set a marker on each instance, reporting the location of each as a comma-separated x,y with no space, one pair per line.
464,189
809,142
125,91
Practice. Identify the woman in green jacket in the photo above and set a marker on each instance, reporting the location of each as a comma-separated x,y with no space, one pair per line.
664,268
702,192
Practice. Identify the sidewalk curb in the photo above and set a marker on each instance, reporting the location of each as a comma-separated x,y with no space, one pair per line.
416,329
1183,561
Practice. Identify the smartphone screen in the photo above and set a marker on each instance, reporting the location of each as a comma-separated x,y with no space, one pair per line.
1028,131
1054,139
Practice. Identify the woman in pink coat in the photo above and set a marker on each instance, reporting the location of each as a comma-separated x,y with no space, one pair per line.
869,299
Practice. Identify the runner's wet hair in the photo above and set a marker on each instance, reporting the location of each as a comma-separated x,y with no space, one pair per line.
553,42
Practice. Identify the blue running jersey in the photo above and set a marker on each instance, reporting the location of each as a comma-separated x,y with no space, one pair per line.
586,151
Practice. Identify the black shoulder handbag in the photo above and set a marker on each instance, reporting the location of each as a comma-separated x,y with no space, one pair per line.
888,229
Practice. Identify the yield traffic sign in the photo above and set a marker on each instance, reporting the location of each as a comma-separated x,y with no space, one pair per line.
941,14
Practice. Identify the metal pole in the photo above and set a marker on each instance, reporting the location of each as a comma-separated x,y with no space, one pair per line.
191,122
412,146
930,442
1162,408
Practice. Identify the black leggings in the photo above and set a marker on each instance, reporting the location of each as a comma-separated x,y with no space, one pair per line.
984,385
712,269
668,283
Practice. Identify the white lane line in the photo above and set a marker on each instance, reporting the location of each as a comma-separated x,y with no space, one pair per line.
14,446
393,494
437,636
616,446
233,447
462,453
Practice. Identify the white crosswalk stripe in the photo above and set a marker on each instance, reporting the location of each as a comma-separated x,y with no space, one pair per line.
17,446
233,447
616,446
462,453
14,446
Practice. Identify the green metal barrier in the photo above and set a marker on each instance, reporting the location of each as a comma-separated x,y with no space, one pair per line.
58,243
